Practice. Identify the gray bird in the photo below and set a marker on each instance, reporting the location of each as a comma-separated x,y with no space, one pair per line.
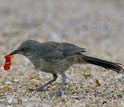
56,58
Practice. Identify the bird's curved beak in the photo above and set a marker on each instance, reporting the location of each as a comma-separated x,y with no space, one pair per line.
14,52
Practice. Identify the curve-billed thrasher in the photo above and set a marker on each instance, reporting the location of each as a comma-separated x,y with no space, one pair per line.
56,58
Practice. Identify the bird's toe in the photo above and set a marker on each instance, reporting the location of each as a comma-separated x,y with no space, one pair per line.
57,94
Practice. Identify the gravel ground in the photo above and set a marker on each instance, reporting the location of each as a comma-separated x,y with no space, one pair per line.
97,25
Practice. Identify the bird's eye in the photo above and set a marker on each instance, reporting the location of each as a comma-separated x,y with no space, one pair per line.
24,49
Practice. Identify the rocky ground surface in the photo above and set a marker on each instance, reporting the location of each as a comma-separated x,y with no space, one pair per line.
97,25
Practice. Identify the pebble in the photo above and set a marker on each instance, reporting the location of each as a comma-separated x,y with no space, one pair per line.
121,78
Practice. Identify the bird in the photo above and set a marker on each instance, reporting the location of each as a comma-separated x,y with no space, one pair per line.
55,58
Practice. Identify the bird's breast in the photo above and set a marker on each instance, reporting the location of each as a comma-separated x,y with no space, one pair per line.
52,66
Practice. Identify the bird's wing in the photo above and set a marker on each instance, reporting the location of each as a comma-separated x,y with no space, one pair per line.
70,49
53,51
50,51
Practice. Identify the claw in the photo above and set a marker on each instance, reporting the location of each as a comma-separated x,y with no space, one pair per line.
41,89
38,90
31,90
57,94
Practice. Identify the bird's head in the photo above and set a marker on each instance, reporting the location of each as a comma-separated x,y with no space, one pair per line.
27,48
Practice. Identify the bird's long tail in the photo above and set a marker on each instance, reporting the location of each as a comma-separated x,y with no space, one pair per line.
105,64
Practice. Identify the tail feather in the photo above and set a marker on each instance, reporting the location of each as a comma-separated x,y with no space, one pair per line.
105,64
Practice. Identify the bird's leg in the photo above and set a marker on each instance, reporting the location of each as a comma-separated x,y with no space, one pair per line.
58,93
43,86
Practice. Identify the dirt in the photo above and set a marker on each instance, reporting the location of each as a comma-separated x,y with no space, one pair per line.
97,25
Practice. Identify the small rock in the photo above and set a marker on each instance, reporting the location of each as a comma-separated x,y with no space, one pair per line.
16,80
8,82
121,78
76,97
15,101
9,101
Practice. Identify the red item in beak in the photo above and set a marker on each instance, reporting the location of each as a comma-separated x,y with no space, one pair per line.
7,62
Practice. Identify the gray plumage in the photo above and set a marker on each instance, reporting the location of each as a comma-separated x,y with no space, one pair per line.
56,58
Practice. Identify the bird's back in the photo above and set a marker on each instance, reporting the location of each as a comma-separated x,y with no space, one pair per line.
57,51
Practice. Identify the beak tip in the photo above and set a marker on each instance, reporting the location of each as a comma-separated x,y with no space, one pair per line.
14,52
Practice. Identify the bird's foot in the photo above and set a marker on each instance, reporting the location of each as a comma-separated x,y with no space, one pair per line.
37,89
31,90
57,94
41,89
